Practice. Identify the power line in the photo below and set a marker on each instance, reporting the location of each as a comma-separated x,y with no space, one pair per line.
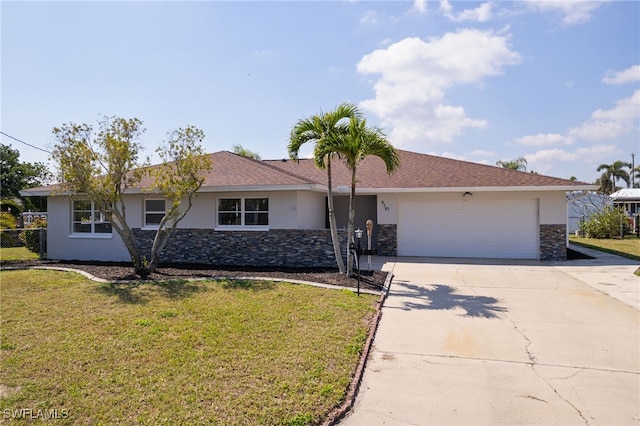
23,142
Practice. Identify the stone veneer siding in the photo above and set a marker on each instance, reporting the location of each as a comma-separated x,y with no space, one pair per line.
387,241
292,247
553,242
276,247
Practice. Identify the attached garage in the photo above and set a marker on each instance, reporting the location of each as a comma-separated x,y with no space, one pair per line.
507,229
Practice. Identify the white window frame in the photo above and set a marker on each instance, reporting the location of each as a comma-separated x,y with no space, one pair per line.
145,212
241,212
93,213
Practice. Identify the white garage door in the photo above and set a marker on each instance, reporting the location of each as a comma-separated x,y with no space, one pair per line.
481,229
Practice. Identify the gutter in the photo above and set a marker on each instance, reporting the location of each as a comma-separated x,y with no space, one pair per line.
209,189
565,188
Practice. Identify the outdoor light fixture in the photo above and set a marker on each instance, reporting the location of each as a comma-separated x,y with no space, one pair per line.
467,194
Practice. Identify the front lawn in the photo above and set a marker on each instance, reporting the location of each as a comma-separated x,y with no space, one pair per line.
628,247
177,353
17,253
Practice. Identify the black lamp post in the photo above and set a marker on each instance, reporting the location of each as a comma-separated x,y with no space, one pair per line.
359,233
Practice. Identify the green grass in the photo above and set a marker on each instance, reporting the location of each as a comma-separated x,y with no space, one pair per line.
17,253
629,247
179,352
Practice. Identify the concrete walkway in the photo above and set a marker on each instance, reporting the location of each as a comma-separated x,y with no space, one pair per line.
505,342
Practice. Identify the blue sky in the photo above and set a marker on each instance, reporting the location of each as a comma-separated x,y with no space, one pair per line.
555,82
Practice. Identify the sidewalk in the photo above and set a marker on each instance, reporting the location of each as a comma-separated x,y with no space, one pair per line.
608,273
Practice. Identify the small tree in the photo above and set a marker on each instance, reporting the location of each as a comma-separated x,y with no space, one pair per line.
519,164
613,173
104,167
353,146
16,175
607,223
7,221
240,150
8,225
323,129
32,235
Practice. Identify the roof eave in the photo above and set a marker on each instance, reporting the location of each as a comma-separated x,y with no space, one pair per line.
39,193
480,189
322,188
265,188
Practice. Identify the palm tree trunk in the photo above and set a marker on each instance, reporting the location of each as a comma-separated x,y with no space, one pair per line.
352,217
332,221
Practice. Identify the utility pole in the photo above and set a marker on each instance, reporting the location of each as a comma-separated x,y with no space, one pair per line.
633,170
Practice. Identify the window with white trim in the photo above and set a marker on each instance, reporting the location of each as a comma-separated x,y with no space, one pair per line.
243,212
154,211
86,219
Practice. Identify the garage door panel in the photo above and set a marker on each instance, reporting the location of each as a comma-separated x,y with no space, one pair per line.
499,228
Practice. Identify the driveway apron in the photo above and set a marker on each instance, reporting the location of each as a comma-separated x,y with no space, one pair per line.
503,342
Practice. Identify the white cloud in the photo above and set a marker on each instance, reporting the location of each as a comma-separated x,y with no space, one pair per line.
419,6
629,75
612,123
557,155
573,12
602,125
544,139
481,13
548,159
370,17
482,153
414,74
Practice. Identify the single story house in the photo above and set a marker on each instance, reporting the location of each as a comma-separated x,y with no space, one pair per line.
274,212
628,199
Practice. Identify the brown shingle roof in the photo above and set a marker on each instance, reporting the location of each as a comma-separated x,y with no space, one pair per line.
230,170
417,171
424,171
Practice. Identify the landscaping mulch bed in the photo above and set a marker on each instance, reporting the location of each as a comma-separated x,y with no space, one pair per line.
371,280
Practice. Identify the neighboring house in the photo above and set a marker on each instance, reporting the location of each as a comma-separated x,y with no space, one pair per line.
582,204
629,200
27,218
251,212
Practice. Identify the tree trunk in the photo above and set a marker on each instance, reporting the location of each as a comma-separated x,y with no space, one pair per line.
139,263
351,225
332,221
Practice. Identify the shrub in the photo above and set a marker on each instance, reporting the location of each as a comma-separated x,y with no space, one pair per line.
11,206
7,221
30,237
606,223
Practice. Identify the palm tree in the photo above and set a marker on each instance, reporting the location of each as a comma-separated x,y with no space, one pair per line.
614,172
519,163
359,142
605,186
322,129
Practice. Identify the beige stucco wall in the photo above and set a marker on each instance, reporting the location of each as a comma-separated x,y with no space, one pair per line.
287,210
62,245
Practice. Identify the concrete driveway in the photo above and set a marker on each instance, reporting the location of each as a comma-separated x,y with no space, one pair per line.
501,342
